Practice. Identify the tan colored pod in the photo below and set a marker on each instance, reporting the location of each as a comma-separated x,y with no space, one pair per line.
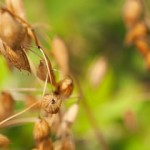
11,31
41,130
65,87
51,103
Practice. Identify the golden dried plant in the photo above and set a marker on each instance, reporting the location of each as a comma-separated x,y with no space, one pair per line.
16,36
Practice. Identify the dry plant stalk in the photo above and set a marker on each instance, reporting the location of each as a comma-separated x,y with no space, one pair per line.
30,100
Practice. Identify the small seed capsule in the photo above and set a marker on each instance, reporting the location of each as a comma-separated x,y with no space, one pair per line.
65,87
51,103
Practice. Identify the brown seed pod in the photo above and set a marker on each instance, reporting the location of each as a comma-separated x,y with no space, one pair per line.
71,114
64,144
67,120
97,71
60,53
41,130
42,72
148,60
140,30
6,105
11,31
17,58
143,47
65,87
67,144
132,12
4,141
51,103
45,145
16,7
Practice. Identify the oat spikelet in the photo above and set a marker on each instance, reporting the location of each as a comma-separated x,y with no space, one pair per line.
16,6
11,31
17,58
41,130
42,72
46,145
132,12
60,53
139,31
6,105
67,120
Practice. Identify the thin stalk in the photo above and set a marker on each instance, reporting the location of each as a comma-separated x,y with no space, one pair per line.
18,114
91,117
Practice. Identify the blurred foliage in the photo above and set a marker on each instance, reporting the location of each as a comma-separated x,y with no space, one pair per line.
92,29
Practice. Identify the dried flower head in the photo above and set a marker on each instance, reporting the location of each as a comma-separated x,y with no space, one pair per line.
51,103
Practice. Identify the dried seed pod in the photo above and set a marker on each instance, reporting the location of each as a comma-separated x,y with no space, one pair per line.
16,7
41,130
64,144
60,53
132,12
45,145
51,103
17,58
71,114
42,72
4,141
97,71
148,60
65,87
11,31
68,119
140,30
67,144
143,47
6,105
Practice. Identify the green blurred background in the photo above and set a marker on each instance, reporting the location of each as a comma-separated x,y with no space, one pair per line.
94,29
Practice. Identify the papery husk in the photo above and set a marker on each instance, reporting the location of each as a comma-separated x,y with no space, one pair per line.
16,58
